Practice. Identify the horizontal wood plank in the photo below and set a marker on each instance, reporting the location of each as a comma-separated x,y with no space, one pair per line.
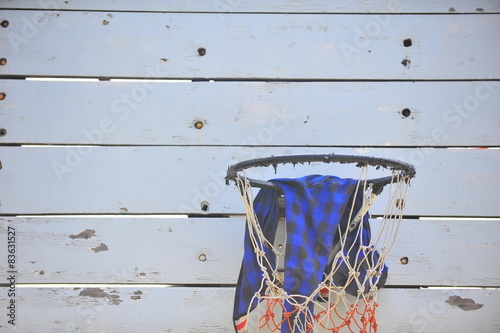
267,114
270,6
317,47
167,309
210,251
59,180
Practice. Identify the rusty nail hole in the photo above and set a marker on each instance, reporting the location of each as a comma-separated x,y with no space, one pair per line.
4,24
3,132
204,206
198,125
3,62
406,113
406,62
407,42
202,257
2,96
404,260
202,51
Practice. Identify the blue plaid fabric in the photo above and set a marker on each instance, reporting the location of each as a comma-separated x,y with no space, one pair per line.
314,207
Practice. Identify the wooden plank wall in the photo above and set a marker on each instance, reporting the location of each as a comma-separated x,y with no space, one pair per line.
122,219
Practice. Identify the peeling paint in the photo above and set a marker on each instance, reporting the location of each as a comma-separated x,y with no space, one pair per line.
136,296
101,247
86,234
99,293
465,304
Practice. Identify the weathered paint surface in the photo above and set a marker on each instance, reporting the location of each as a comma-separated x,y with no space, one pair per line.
172,309
424,114
180,179
292,47
270,6
151,250
398,79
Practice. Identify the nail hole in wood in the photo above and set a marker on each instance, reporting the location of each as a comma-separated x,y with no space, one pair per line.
4,24
406,113
406,62
204,206
404,260
202,257
3,62
2,96
3,132
202,51
407,42
198,125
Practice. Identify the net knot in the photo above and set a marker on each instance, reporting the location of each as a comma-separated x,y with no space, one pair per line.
259,252
353,273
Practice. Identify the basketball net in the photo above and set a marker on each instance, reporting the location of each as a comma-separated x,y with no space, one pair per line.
334,310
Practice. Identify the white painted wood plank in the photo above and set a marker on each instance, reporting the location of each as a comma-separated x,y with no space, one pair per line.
270,6
135,250
46,180
439,252
148,309
166,45
267,114
210,251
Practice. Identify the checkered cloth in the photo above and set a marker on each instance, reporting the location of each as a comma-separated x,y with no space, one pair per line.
315,206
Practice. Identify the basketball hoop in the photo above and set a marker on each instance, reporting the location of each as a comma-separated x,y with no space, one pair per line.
326,274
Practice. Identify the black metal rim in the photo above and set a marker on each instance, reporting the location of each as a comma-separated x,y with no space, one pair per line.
408,170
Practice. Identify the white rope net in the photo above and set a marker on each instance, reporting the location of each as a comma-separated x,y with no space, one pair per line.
329,308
